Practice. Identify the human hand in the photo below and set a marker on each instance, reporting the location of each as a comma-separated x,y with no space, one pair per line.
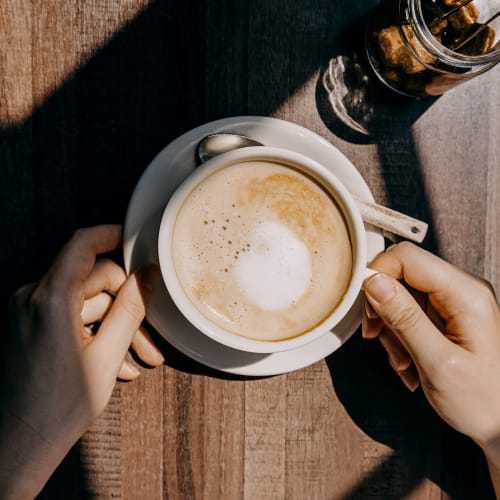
57,374
441,328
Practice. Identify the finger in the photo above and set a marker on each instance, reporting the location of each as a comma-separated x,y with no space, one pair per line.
410,378
459,299
144,347
401,313
399,357
107,276
430,274
415,265
123,319
128,371
400,360
371,324
76,260
20,299
96,308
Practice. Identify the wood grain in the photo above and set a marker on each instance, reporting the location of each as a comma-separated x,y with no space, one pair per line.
265,426
90,91
141,430
101,451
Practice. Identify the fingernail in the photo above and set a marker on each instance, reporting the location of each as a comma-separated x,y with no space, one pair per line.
380,288
158,358
364,325
369,311
412,384
129,370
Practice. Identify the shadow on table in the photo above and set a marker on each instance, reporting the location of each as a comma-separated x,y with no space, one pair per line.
353,103
420,445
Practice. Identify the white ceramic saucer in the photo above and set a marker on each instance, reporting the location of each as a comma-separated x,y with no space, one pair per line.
142,222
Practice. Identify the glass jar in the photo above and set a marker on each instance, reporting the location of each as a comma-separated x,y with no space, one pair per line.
425,47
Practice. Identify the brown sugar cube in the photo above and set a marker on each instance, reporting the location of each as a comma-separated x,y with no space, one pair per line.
464,17
422,54
390,45
396,54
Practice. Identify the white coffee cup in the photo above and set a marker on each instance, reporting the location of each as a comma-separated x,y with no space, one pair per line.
218,169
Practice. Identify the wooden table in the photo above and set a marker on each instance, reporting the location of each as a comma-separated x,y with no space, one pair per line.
90,91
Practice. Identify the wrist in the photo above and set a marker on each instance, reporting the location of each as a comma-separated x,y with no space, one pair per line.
27,457
491,450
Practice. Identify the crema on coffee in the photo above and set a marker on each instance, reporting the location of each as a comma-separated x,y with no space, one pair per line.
262,250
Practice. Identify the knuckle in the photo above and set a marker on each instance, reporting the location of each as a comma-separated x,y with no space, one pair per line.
116,272
448,366
483,299
401,364
488,285
403,318
39,297
109,274
405,246
32,303
79,233
77,239
21,297
49,298
489,292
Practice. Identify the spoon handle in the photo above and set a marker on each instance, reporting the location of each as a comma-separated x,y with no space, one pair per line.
392,221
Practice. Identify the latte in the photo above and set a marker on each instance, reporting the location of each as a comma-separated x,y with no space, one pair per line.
262,250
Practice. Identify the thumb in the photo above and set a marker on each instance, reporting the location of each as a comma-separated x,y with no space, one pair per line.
125,316
401,313
105,354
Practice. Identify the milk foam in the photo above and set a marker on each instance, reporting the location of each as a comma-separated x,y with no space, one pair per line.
261,250
276,271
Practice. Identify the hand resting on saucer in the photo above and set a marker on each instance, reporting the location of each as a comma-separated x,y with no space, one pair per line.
64,345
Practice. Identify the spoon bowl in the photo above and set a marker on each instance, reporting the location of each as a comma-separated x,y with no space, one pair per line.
222,142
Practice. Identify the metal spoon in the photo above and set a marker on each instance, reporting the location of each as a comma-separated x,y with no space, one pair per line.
222,142
377,215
